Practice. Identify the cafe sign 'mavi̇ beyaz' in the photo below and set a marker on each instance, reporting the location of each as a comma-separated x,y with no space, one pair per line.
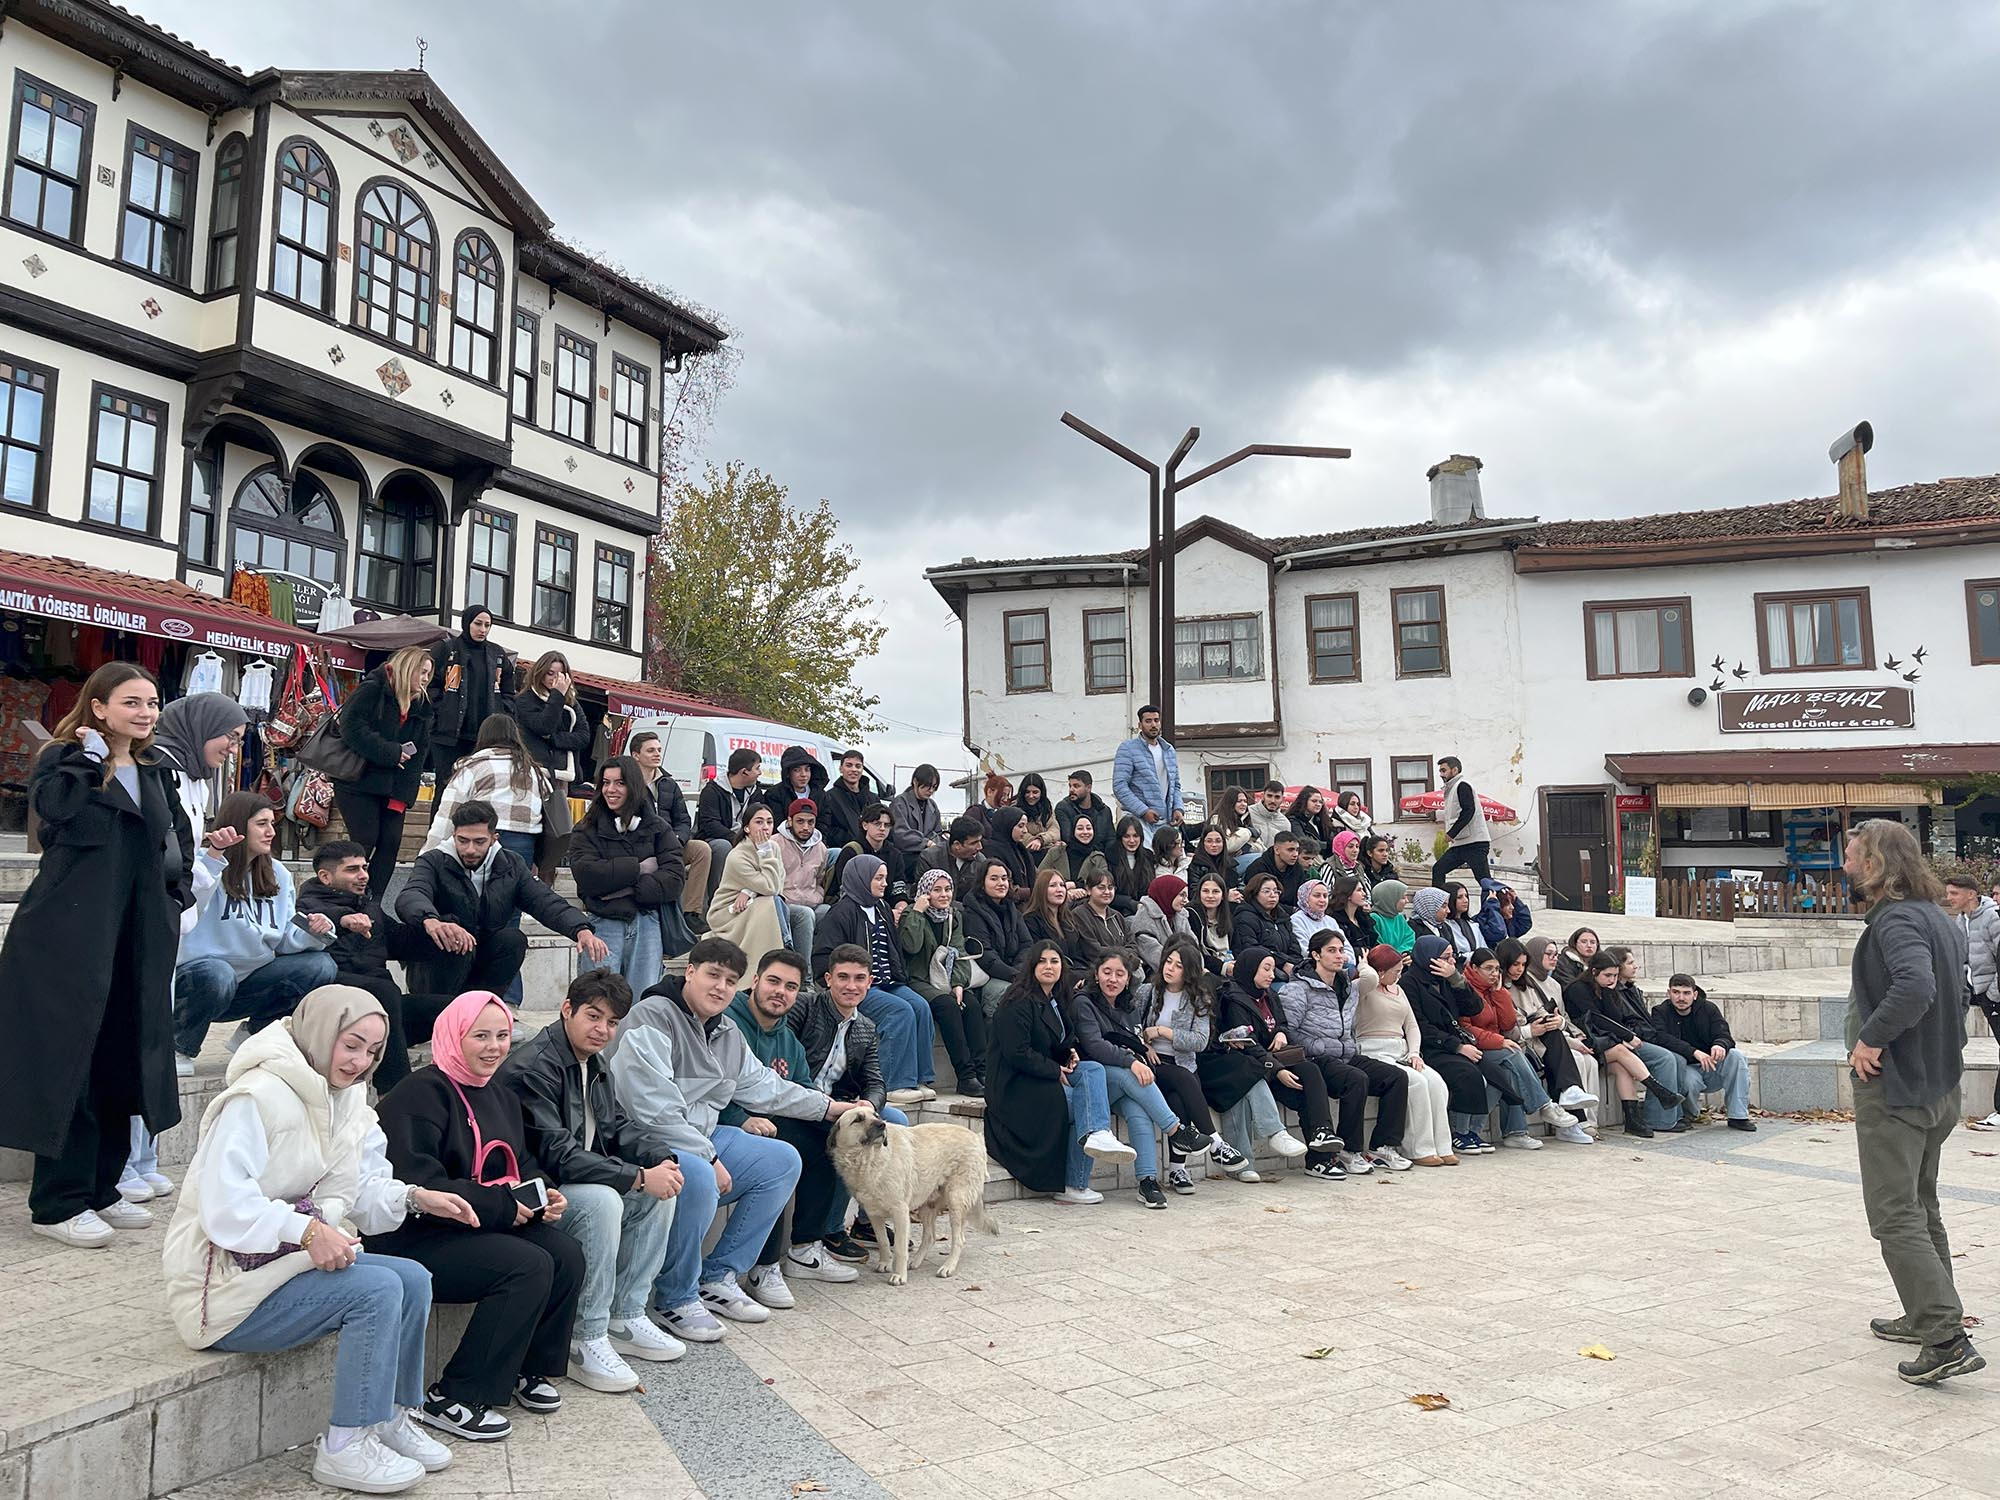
1763,712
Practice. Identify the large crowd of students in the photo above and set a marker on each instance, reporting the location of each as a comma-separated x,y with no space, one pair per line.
1079,966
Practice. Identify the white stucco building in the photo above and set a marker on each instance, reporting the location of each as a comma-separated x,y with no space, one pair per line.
309,322
1736,685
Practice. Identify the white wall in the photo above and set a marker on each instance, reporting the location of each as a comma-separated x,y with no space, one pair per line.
1214,578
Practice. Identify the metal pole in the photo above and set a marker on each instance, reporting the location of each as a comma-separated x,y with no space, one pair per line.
1153,653
1167,564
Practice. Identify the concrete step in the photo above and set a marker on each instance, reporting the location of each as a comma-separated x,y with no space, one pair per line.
1814,1075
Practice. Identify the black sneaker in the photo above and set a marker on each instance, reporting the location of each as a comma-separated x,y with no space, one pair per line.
1323,1139
1680,1127
1327,1171
972,1086
1894,1330
1745,1124
1941,1362
535,1393
843,1246
476,1424
863,1232
1187,1141
1179,1179
1150,1194
695,921
1223,1154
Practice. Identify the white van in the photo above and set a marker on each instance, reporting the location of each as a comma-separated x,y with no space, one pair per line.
698,749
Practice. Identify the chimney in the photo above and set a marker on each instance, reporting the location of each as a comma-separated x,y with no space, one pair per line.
1848,455
1455,491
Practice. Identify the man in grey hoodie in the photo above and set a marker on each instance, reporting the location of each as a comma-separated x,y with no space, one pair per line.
1980,918
1906,1035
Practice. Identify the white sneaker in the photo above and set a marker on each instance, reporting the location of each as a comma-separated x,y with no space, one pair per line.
812,1263
727,1299
1991,1122
1521,1142
1286,1144
161,1184
767,1285
1353,1163
642,1338
693,1323
238,1037
1575,1098
402,1435
135,1189
1079,1195
126,1215
1391,1160
1104,1146
365,1466
85,1231
904,1098
594,1363
1554,1114
183,1066
1244,1173
1576,1135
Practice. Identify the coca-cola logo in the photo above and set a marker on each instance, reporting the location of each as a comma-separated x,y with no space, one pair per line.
179,629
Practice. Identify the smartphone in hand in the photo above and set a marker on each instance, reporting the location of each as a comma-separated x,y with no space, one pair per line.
532,1195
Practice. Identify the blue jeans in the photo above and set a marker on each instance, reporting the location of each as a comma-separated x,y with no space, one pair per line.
624,1238
762,1175
145,1155
1731,1080
1522,1080
1251,1119
1681,1077
800,920
836,1215
1146,1113
902,1018
380,1304
635,947
523,844
206,990
1089,1109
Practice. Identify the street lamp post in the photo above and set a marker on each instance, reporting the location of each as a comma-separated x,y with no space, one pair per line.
1160,550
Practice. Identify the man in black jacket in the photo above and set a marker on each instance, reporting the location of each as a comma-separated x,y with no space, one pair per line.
1283,860
365,939
799,775
1082,802
843,1048
961,856
718,812
1692,1027
462,897
846,795
619,1175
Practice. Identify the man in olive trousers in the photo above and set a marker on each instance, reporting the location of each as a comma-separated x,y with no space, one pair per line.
1906,1040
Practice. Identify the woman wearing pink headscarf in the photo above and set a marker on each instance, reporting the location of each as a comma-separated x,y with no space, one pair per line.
1342,858
447,1130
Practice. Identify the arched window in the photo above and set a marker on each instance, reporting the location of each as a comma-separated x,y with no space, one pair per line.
475,308
302,248
225,214
396,567
291,528
395,267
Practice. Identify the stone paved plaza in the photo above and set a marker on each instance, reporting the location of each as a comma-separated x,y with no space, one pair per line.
1112,1352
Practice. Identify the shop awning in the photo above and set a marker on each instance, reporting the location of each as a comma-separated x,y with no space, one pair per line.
639,700
59,589
1870,763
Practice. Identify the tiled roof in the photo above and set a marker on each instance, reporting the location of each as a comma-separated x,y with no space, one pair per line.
1942,502
166,591
1277,545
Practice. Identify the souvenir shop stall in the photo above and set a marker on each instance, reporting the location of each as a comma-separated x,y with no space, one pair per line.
60,620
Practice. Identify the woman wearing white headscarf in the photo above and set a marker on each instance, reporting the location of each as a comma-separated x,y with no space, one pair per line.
260,1255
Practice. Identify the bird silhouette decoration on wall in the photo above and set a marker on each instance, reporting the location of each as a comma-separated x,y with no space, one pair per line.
1741,672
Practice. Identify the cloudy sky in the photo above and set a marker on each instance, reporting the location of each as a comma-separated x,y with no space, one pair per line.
1639,256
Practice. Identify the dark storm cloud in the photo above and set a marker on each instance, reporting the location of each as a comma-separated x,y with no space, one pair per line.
934,227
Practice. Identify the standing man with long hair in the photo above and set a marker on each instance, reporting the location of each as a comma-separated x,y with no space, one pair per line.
387,722
86,1017
1906,1040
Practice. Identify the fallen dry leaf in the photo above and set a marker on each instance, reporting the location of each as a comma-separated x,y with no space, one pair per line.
1986,1153
972,1286
1819,1140
1317,1353
1276,1208
1595,1351
808,1487
1409,1286
1971,1322
1431,1400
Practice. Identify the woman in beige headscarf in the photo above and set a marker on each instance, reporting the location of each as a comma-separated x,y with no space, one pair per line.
260,1256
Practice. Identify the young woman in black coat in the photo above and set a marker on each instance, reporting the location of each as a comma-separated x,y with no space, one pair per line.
1005,843
1257,924
627,864
1132,865
558,736
471,677
86,1010
1349,908
387,722
993,920
1440,998
1250,999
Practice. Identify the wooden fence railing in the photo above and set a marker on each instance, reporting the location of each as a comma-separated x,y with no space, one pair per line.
1719,900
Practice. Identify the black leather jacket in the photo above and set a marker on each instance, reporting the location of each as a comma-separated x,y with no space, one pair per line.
543,1073
815,1020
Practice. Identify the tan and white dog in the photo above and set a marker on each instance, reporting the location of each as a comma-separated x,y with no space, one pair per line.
896,1171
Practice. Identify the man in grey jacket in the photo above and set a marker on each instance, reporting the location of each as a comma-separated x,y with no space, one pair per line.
678,1062
1980,918
1906,1034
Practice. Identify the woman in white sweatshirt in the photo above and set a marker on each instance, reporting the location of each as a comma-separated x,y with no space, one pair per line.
261,1255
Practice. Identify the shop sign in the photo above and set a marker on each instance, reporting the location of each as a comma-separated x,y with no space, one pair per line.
1635,802
1798,709
80,607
